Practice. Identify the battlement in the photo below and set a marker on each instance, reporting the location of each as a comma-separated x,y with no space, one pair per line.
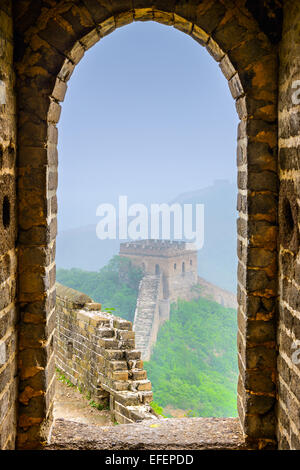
170,272
176,261
161,248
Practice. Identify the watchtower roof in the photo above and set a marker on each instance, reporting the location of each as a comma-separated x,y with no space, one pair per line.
155,247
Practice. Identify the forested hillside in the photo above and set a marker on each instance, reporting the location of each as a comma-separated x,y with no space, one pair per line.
114,286
193,365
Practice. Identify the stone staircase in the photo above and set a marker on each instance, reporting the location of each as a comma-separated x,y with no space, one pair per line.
146,319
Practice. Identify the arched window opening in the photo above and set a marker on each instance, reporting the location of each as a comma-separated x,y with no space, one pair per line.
131,172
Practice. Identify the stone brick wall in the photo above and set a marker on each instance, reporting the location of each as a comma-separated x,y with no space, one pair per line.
147,318
211,292
50,39
175,279
96,351
176,261
8,264
288,334
248,59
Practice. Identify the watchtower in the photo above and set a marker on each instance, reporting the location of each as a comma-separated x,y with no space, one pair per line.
175,261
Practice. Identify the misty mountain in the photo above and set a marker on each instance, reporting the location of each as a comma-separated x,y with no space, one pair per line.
217,260
80,247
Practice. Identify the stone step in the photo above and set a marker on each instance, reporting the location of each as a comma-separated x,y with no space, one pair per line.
145,310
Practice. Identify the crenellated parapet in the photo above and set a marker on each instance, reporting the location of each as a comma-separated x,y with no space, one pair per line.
156,247
175,261
96,351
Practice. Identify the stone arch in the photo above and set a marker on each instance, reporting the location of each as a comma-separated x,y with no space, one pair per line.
56,38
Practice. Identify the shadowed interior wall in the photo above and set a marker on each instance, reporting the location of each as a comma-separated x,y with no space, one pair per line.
8,313
289,237
50,37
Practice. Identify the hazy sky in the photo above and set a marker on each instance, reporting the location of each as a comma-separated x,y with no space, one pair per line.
148,114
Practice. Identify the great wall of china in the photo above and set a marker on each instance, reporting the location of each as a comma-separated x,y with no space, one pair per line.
256,44
103,354
170,273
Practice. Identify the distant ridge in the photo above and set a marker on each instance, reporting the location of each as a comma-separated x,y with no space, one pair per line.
217,261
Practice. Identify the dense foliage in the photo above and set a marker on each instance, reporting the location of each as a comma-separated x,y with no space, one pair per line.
193,365
115,285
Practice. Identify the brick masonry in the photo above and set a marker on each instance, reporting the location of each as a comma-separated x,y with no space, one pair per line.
148,315
96,351
288,334
175,261
253,51
8,261
170,273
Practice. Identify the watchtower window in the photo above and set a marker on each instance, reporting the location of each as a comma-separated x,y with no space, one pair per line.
174,266
191,262
157,270
183,267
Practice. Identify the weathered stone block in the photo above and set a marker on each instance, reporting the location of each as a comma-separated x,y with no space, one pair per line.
182,24
139,374
122,324
214,50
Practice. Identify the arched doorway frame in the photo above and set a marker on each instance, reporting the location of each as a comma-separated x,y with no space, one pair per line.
54,45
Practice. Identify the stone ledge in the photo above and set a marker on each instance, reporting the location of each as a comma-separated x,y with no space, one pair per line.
72,295
167,434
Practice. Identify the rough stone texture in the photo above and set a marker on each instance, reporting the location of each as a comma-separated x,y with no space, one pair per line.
244,38
175,261
72,405
147,317
288,429
170,270
173,434
51,39
8,264
96,351
170,273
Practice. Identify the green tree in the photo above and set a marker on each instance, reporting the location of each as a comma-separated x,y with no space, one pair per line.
193,365
115,285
